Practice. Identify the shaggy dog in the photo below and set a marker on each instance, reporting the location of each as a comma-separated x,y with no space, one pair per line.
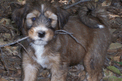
57,50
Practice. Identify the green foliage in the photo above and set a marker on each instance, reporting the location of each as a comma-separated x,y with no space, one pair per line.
113,78
114,69
118,62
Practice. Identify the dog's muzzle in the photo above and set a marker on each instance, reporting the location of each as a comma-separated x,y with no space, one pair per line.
40,34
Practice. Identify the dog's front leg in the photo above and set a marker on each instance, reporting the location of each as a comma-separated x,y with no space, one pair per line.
59,73
30,69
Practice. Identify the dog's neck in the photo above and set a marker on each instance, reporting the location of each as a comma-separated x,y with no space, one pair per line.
39,51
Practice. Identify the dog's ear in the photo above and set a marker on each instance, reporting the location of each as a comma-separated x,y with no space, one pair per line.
63,15
19,12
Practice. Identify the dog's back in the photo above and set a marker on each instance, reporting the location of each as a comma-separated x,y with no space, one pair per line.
92,40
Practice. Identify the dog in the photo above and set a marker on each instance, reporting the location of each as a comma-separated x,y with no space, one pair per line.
55,51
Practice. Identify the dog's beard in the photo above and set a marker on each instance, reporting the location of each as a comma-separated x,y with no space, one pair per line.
39,42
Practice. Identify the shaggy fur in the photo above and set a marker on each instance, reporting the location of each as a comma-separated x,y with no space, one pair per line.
93,15
39,20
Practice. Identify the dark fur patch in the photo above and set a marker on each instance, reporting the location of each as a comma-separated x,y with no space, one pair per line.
92,64
63,16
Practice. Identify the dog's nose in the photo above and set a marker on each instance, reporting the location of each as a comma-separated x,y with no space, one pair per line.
41,34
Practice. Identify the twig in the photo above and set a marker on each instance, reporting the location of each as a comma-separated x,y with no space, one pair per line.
113,16
69,1
25,50
69,6
3,61
8,27
56,32
60,32
70,34
23,47
17,43
14,42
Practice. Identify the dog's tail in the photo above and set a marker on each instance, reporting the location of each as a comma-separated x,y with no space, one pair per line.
93,15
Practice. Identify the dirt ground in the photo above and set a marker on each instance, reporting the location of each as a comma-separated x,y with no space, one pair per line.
10,56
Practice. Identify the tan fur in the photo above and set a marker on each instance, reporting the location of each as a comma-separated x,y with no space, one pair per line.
31,33
52,16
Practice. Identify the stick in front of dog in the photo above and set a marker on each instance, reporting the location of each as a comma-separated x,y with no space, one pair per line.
39,20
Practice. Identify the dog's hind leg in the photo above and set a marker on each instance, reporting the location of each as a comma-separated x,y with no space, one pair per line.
96,53
93,67
30,69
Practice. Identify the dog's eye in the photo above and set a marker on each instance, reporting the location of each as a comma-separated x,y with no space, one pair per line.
49,19
33,19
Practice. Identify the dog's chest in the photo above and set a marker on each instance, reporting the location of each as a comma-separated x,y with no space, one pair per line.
40,58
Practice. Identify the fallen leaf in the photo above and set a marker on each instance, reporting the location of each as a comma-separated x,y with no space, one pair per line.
112,78
114,69
116,58
2,79
5,21
115,46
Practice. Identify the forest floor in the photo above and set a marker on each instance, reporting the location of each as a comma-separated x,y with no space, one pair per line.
10,56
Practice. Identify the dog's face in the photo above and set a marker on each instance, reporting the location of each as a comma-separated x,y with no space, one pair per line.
41,24
39,20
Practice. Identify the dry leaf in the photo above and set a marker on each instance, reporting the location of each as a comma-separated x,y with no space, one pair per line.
115,46
2,79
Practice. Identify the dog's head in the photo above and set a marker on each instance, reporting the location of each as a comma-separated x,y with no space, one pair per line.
39,20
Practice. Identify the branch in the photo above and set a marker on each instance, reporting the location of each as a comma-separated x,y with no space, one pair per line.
69,6
25,50
23,47
60,32
14,42
113,16
56,32
70,34
3,61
